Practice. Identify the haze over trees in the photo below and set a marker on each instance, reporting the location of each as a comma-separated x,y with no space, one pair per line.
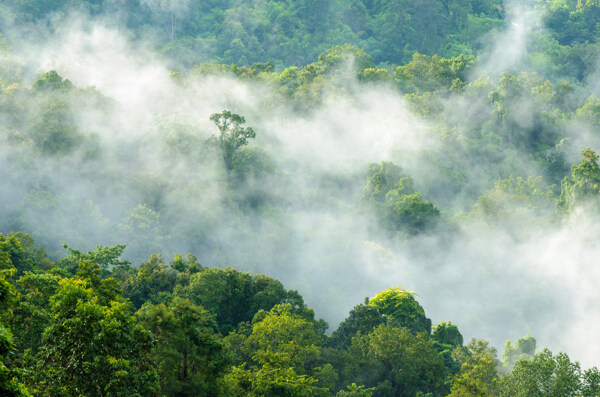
197,197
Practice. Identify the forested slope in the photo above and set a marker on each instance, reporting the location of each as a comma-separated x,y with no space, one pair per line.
343,147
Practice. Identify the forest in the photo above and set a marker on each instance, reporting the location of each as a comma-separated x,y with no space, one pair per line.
299,198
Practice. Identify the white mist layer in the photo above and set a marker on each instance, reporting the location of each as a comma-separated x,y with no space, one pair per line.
510,46
489,283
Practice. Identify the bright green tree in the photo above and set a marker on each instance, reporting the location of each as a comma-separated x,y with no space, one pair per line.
402,309
93,349
10,383
284,348
478,375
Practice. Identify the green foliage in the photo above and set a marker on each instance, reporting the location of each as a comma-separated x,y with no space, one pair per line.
392,195
81,330
516,200
93,349
53,129
356,391
289,32
235,297
272,382
402,309
410,212
576,22
10,383
362,318
12,250
478,376
584,185
232,135
425,73
548,375
284,350
33,312
284,339
589,112
523,349
189,353
394,361
51,81
447,334
152,282
383,178
105,257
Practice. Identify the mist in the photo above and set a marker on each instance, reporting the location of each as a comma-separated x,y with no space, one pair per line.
151,183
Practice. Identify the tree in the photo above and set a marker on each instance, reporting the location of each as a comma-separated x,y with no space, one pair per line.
362,318
33,312
142,229
93,349
516,201
53,129
168,13
105,257
355,390
448,334
448,338
402,309
400,208
10,384
284,350
545,375
396,362
478,376
232,135
410,213
523,349
381,178
153,280
584,185
52,81
425,73
235,297
189,354
19,259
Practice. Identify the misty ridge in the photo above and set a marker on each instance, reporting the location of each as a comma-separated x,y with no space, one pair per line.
450,176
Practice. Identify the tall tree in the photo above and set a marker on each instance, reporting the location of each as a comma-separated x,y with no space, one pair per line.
232,135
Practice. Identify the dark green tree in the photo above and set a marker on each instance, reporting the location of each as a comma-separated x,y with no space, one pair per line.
189,354
396,363
362,318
